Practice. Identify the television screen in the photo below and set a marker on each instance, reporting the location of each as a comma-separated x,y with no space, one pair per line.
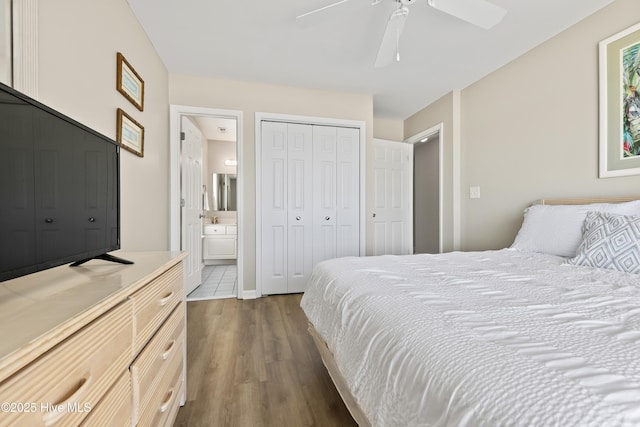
59,188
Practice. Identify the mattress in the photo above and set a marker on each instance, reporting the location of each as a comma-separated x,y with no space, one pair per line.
481,338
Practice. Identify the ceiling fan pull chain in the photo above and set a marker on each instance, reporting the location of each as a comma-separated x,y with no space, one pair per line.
397,44
390,45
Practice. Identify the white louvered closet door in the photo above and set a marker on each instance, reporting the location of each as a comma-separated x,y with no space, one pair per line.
310,190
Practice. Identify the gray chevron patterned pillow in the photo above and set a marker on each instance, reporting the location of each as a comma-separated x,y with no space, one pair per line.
609,241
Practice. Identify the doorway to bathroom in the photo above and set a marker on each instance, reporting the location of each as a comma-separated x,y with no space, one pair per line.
206,189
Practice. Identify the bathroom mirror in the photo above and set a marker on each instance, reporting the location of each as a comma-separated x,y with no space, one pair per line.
223,192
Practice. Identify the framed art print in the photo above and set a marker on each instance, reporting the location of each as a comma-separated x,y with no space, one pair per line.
129,133
619,57
129,83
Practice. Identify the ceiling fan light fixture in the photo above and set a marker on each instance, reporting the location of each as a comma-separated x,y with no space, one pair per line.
477,12
389,49
480,13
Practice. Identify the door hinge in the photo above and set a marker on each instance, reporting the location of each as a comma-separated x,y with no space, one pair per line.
182,136
182,203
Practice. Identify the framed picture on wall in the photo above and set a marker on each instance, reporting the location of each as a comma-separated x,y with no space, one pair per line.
129,133
129,83
619,57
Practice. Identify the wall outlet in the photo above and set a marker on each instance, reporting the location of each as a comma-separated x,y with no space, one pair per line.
474,192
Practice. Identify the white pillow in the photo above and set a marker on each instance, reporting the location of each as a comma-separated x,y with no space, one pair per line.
610,241
557,229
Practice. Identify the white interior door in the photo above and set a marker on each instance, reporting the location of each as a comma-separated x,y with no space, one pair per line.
274,207
324,192
391,219
309,204
348,192
300,202
287,207
191,195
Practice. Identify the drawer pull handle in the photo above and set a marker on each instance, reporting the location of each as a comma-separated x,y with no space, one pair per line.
167,352
166,299
165,404
52,417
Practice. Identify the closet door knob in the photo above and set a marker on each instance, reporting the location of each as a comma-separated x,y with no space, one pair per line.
327,218
298,218
92,219
48,220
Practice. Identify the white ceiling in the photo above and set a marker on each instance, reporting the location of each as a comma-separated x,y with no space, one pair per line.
217,128
259,40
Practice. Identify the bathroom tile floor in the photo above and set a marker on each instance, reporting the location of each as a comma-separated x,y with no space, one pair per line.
218,281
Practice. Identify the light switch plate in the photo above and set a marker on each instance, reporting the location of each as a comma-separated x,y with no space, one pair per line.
474,192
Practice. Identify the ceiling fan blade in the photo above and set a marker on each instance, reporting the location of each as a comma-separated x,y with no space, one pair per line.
388,50
477,12
311,18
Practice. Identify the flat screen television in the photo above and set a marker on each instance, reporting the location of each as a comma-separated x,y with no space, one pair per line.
59,189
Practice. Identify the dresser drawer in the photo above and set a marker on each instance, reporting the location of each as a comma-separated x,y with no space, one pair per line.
71,378
152,363
169,416
153,303
166,396
115,408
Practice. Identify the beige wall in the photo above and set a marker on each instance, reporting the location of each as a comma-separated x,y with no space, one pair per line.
78,41
445,111
219,151
5,42
250,98
526,131
389,129
530,130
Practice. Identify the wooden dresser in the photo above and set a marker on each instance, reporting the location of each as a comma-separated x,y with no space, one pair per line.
95,345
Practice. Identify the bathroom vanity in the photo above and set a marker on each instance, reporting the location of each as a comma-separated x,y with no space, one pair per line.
220,242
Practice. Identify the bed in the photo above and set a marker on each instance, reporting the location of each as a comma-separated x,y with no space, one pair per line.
546,332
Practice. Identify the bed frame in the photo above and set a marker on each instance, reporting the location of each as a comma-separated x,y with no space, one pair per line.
327,356
337,378
586,201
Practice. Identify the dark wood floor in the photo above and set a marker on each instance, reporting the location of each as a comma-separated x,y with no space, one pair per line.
253,363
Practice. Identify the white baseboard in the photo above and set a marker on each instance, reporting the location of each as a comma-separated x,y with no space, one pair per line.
248,295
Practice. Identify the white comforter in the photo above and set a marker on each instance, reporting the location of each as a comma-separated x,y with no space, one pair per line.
482,339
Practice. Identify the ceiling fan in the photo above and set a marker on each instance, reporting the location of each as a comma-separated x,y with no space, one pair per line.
480,13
